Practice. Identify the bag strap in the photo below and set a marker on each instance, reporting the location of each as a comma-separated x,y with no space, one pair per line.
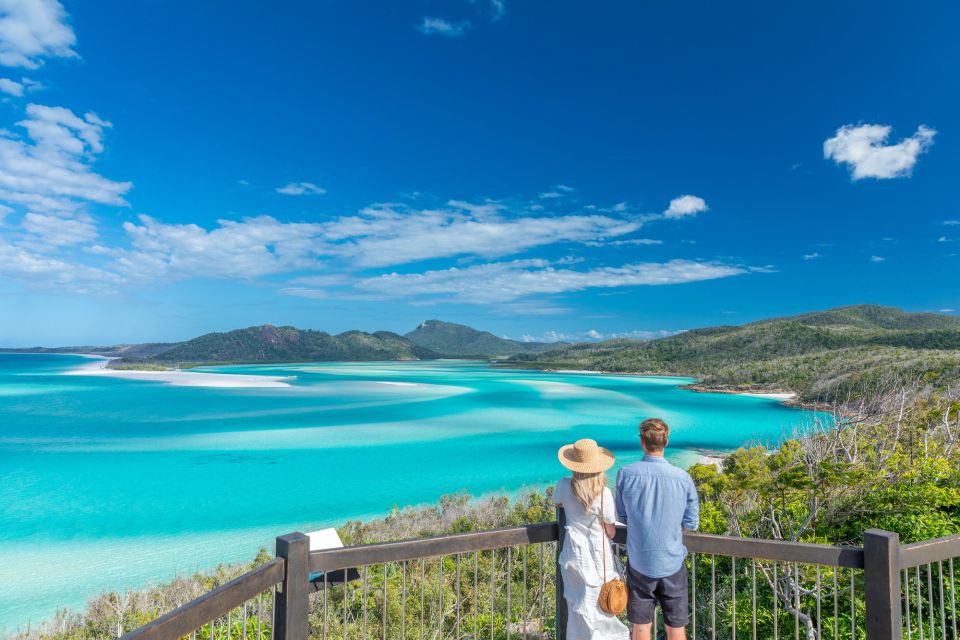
603,533
604,546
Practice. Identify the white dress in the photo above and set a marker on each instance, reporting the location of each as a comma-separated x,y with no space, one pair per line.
581,564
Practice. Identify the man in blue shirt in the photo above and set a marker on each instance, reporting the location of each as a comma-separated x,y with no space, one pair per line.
657,501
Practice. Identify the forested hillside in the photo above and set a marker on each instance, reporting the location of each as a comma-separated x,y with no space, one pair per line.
452,339
267,343
815,354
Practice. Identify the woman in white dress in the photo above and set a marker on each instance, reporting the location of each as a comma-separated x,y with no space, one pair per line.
587,541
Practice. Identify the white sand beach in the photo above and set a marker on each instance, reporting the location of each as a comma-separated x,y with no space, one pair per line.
716,461
98,367
782,396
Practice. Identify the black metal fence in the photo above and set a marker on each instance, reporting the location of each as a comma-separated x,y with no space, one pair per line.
504,584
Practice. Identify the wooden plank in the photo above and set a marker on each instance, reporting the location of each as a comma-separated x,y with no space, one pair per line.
193,615
918,553
803,552
360,555
368,554
561,601
881,583
291,605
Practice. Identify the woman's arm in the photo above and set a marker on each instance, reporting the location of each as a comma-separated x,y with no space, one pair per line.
610,529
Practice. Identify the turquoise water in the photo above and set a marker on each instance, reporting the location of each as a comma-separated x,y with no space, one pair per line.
108,483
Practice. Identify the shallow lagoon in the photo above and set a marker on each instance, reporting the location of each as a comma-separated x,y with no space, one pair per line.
109,483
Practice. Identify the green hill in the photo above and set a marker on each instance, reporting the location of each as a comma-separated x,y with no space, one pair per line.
268,343
460,340
144,350
813,353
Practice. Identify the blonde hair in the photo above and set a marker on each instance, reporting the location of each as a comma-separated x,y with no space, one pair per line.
587,486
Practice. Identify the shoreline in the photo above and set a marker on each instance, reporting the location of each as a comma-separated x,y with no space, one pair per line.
178,378
787,397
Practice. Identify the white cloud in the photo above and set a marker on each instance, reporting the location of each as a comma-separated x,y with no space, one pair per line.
943,239
863,149
53,230
495,8
946,310
951,223
46,272
634,241
378,236
4,212
11,87
877,259
811,256
246,249
557,191
392,234
300,189
51,173
507,281
439,26
498,7
33,29
684,206
597,336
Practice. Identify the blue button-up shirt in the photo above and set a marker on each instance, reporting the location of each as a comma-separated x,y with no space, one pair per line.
656,501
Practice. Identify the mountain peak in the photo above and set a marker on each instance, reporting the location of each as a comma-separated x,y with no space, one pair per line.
454,339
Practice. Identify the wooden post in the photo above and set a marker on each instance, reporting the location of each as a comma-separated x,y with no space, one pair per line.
561,601
292,603
881,578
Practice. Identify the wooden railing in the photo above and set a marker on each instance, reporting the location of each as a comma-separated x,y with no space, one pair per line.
873,592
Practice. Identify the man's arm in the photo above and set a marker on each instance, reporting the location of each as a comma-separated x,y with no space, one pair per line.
618,500
691,515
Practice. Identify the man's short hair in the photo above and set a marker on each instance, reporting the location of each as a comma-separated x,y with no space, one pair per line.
654,434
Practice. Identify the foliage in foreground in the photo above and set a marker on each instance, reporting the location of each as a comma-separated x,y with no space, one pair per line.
893,464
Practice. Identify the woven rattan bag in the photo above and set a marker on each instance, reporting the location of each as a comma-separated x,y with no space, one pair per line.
613,593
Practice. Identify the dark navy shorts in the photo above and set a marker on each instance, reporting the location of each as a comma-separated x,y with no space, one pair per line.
669,592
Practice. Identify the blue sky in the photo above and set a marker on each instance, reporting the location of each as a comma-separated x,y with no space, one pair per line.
541,169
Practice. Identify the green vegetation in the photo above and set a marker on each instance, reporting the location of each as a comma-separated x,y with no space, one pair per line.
265,344
458,340
116,351
893,464
138,366
836,353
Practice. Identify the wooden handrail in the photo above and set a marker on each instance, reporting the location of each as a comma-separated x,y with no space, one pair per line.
927,551
186,619
367,554
780,550
822,554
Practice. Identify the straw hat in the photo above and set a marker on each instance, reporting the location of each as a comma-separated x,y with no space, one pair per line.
585,456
